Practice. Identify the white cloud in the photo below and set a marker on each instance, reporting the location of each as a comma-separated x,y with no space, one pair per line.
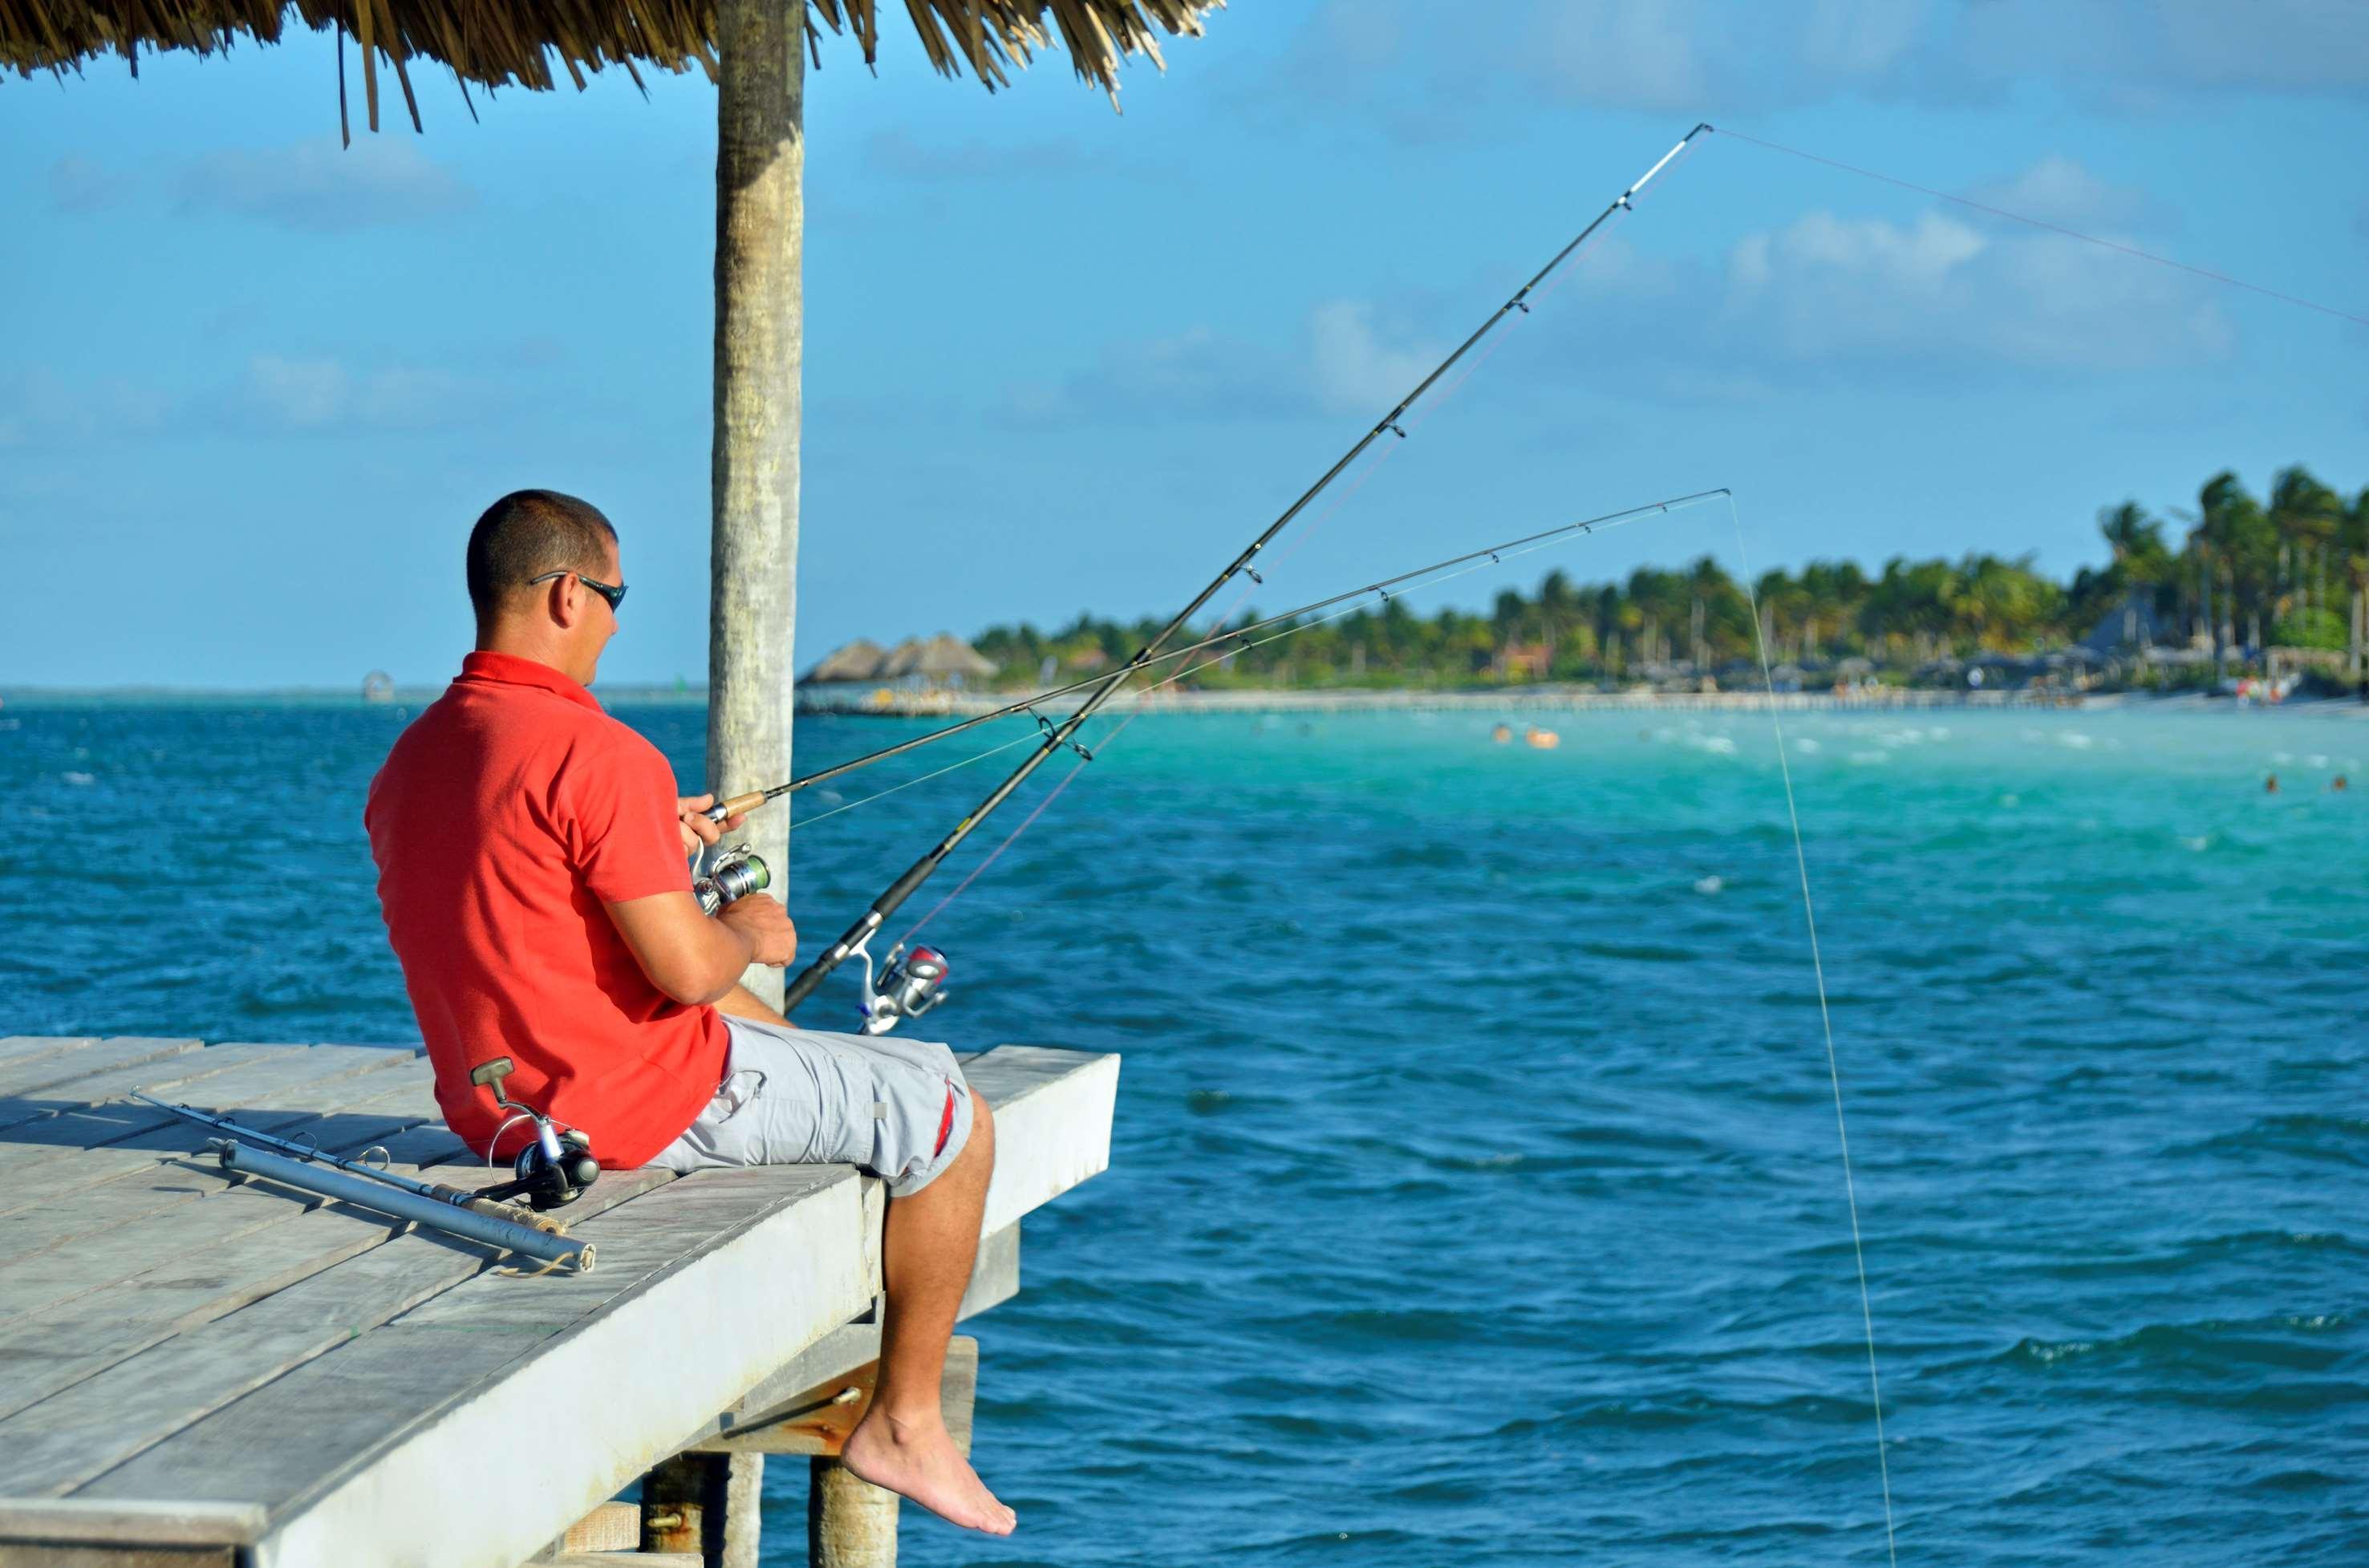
322,395
305,395
2058,190
1939,294
320,188
80,184
1351,366
1410,65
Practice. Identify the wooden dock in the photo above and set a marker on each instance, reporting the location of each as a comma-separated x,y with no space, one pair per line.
207,1372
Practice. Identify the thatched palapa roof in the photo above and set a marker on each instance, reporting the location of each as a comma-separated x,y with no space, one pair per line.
499,43
942,658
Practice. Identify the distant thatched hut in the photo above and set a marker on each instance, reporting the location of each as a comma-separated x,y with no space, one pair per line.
945,662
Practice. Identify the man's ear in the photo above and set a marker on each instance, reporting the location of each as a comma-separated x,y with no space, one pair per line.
566,603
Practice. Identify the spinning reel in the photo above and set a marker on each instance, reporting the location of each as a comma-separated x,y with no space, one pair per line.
910,986
553,1170
731,875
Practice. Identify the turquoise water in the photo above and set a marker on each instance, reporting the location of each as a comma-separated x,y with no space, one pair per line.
1476,1194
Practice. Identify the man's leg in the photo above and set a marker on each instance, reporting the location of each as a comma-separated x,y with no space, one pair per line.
933,1240
902,1442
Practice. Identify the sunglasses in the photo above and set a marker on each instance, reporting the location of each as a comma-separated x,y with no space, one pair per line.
613,592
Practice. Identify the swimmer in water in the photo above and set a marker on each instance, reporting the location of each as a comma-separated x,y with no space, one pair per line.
2271,786
2338,783
1501,734
1544,740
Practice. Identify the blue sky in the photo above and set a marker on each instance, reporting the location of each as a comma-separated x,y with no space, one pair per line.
256,388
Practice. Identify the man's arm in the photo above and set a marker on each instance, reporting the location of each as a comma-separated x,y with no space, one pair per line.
695,959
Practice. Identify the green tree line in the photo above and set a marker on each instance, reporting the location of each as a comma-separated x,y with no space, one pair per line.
2231,577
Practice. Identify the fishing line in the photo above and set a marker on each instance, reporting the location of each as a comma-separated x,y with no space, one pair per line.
1057,738
2012,217
1478,559
1826,1022
877,794
1523,545
1425,412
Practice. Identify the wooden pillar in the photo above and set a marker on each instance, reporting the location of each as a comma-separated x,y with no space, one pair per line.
760,306
707,1503
850,1522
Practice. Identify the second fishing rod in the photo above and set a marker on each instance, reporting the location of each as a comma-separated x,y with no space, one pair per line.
1061,736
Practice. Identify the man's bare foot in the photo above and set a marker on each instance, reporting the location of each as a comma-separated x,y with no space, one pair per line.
918,1460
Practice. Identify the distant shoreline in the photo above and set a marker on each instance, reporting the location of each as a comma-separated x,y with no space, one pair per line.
1558,699
1512,701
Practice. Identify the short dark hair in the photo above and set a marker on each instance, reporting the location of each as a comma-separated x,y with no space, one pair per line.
527,533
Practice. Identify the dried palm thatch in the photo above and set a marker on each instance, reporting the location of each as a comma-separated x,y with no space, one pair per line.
499,43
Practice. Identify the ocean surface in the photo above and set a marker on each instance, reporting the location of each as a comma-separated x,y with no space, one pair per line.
1476,1196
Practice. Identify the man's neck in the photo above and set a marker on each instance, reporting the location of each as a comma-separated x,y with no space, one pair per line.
544,650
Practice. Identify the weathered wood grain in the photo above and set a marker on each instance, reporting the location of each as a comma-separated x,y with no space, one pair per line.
366,1121
35,1087
759,1263
93,1190
94,1109
817,1423
994,1279
19,1049
129,1406
374,1369
611,1526
131,1524
14,1555
58,1347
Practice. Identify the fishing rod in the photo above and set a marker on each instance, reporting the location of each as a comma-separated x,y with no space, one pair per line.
740,805
356,1179
1060,737
1383,585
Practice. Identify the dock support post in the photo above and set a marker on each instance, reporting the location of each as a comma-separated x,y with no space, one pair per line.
850,1522
707,1503
759,344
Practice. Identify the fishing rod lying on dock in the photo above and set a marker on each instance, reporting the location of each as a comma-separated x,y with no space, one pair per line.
1060,737
355,1180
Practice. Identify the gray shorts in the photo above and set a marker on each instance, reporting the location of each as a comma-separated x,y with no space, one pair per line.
793,1096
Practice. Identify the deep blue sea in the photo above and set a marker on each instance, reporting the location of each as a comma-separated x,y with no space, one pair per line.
1476,1196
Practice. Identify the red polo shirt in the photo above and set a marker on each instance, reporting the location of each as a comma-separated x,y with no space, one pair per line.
507,814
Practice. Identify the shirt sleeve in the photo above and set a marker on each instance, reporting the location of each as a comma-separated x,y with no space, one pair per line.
628,841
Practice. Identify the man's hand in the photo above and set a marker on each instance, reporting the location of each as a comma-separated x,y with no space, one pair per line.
691,811
759,918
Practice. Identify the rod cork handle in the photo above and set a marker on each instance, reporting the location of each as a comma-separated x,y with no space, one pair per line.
494,1208
724,810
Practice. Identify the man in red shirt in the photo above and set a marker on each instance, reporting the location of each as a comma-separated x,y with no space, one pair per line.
533,872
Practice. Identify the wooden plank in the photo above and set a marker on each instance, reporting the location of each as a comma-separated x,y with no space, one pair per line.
130,1524
126,1408
236,1076
1053,1112
148,1153
58,1076
100,1202
47,1279
726,1275
614,1560
611,1526
24,1118
994,1279
16,1048
17,1556
54,1350
820,1420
